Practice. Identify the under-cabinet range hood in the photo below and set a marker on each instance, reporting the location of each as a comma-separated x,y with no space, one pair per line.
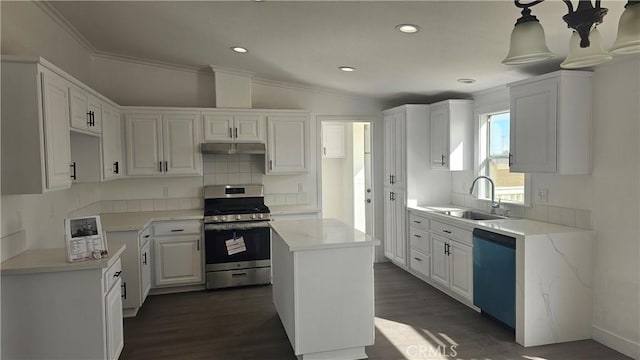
233,148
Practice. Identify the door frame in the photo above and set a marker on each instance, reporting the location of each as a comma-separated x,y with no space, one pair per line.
348,119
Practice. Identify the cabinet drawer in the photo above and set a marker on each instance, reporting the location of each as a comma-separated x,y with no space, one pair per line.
418,221
177,227
112,275
144,237
452,232
420,262
419,239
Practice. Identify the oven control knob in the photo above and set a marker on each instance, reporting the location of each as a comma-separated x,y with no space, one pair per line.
253,216
238,217
260,216
224,218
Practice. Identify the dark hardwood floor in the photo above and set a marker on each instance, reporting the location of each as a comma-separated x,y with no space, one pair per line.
413,321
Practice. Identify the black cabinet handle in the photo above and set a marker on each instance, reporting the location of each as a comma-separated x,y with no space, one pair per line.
236,133
230,133
442,159
124,290
390,179
177,230
510,159
146,236
417,222
198,245
418,259
144,258
166,166
238,274
418,236
446,231
74,174
116,167
160,164
117,273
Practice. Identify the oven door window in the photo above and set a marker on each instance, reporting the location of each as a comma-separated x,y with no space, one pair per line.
256,242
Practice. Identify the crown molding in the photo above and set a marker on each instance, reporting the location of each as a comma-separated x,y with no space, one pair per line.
149,62
232,71
57,17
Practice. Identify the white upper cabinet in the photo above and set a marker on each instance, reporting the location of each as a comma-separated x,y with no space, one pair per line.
233,127
452,135
333,141
160,144
395,149
56,131
287,144
551,123
85,110
112,159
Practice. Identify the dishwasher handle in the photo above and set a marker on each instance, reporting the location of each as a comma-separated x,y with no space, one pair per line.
499,239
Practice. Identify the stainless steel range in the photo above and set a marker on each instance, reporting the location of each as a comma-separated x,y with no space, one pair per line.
237,236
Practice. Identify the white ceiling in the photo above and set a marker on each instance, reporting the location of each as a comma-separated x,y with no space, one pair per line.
305,42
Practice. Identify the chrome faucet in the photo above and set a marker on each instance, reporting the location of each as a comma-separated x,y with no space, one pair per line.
494,205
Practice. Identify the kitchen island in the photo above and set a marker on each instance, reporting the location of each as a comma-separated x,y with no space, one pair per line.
323,287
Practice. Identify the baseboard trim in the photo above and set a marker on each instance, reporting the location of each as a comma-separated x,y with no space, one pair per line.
616,342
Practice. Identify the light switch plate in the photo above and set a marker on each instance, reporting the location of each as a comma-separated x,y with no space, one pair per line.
543,196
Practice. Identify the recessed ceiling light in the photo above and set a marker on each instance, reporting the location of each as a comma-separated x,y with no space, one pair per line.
466,81
239,49
347,68
408,28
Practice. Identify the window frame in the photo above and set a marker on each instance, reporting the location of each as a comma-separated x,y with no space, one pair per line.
484,193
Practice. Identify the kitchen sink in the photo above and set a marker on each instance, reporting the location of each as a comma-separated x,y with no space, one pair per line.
472,215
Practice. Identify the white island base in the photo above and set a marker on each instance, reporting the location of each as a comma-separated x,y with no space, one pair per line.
323,287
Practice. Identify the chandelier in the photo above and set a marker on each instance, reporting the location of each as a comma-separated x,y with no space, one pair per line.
528,42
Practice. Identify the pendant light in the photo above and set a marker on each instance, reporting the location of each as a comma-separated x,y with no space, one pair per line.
628,40
528,42
580,57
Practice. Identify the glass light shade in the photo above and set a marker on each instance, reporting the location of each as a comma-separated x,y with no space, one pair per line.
628,40
583,57
528,44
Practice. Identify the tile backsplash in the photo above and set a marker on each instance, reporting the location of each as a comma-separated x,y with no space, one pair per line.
137,205
220,169
579,218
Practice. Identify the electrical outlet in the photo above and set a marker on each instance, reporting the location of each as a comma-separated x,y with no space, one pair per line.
543,196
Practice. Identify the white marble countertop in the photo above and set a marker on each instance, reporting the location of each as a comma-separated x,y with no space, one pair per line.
510,227
314,234
292,209
135,221
55,260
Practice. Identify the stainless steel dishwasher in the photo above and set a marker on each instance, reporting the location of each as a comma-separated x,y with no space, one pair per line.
494,275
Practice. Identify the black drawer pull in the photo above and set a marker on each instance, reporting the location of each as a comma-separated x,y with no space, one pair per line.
239,275
177,230
417,222
117,273
418,259
447,231
146,236
418,236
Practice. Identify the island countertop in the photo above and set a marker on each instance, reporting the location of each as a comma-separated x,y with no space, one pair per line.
314,234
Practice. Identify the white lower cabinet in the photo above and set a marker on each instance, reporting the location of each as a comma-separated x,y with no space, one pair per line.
177,258
64,311
452,266
145,270
113,316
395,226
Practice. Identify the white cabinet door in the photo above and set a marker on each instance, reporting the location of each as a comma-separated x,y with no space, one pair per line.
389,149
287,142
461,259
180,142
389,224
56,131
79,108
399,201
113,316
333,141
145,270
400,150
248,128
533,126
95,111
177,260
439,260
144,144
439,137
218,127
112,160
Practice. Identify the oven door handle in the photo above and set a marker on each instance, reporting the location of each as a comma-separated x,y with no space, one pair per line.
236,226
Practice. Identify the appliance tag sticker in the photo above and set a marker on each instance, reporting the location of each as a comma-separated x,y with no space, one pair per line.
235,246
